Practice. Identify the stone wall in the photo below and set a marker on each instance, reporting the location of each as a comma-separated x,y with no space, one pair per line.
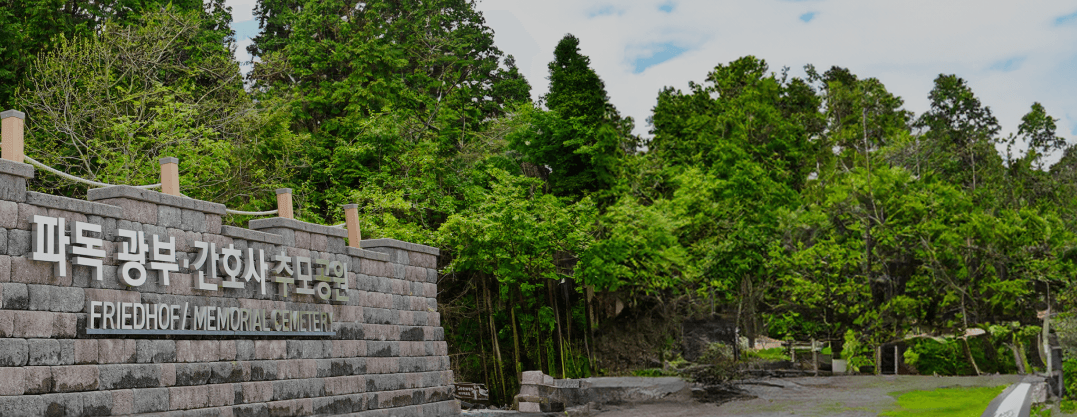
387,358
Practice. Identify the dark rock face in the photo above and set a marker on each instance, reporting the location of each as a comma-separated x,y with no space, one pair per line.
702,332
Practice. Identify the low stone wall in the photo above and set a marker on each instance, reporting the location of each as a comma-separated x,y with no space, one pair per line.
542,393
372,344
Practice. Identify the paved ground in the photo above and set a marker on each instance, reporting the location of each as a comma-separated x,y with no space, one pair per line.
844,396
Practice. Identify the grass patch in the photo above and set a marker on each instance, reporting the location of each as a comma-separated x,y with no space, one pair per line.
653,372
772,354
944,402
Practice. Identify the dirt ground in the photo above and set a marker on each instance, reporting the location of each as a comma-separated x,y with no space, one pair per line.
844,396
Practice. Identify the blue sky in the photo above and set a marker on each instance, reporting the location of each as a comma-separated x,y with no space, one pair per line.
1010,53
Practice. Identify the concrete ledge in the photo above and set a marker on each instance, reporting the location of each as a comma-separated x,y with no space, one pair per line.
361,253
73,204
297,225
247,234
397,244
16,169
129,192
12,113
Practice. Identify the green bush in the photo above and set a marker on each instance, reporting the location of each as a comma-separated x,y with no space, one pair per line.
1069,370
1068,406
947,356
856,353
772,354
931,356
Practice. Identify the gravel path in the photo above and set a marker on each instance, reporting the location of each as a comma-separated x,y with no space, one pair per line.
843,396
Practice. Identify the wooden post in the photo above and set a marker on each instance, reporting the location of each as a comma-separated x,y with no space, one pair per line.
12,147
284,203
896,359
814,358
351,222
878,360
793,351
170,176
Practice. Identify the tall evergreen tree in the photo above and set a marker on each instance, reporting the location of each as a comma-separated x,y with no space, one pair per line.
580,141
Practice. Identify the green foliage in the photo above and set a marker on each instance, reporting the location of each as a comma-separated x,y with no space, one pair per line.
33,27
772,354
638,249
108,106
653,372
938,356
578,143
811,208
855,352
1069,370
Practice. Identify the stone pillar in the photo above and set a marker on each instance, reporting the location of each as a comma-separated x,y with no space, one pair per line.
284,203
814,357
351,222
170,176
11,131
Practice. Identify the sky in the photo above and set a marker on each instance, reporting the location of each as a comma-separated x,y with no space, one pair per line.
1011,53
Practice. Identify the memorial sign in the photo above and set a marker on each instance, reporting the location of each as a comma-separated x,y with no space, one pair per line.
142,302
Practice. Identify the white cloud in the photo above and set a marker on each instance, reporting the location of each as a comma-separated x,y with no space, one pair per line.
1011,53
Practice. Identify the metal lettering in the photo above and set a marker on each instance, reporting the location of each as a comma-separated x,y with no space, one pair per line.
86,248
207,255
50,241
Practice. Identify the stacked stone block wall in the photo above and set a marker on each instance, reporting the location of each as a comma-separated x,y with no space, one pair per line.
388,357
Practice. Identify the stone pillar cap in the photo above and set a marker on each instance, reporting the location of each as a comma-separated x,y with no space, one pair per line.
12,113
350,206
169,160
284,191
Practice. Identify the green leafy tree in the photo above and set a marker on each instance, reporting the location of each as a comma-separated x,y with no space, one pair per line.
510,237
771,118
579,142
861,117
960,134
390,93
108,106
32,27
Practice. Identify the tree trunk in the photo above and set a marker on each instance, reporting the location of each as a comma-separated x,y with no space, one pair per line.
482,350
560,336
557,340
588,294
568,307
1017,358
493,337
968,355
1024,357
516,346
538,341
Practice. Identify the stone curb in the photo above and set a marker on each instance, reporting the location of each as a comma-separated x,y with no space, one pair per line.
247,234
362,253
138,194
297,225
397,244
73,204
16,169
